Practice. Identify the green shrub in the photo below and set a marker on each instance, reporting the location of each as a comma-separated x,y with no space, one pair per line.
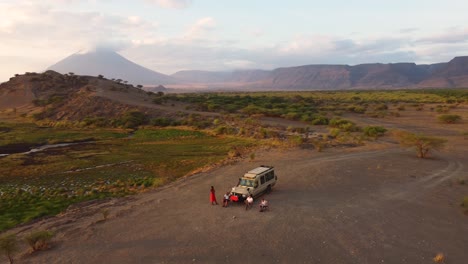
334,132
381,107
8,246
318,144
421,142
449,119
320,120
133,119
343,124
95,121
357,109
377,114
39,240
464,202
374,131
163,122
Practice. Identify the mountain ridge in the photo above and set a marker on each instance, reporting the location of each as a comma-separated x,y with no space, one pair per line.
452,74
340,76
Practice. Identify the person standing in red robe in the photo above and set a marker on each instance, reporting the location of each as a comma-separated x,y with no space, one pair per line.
213,196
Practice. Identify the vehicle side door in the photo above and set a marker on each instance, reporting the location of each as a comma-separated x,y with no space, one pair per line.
262,184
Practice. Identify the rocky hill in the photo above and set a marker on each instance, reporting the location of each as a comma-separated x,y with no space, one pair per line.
56,96
364,76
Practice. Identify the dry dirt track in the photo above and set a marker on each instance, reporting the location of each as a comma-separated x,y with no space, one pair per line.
366,205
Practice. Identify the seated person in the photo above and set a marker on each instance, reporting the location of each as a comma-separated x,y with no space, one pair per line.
248,202
226,199
263,205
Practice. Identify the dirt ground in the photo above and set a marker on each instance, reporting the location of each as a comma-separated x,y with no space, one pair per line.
377,203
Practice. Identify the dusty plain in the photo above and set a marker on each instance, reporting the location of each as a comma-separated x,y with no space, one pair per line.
376,203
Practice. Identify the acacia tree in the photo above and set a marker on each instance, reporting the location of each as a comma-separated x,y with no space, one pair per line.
422,143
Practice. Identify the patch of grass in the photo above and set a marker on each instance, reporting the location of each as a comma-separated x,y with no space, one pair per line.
449,119
45,183
464,202
33,135
105,214
465,135
39,240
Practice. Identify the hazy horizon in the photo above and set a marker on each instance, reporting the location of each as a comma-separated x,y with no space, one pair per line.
172,35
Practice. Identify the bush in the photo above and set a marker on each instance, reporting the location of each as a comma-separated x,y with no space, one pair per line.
163,122
421,142
357,109
8,246
381,107
374,131
39,240
464,202
449,119
319,120
343,124
133,119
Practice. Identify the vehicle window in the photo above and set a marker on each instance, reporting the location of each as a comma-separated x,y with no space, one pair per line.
247,183
262,179
270,176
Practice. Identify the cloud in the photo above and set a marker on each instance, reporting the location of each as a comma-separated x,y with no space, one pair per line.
49,33
55,30
198,30
37,34
452,36
177,4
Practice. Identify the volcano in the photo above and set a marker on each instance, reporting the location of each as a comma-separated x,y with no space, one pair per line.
111,65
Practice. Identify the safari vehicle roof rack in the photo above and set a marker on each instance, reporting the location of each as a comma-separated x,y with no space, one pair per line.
254,172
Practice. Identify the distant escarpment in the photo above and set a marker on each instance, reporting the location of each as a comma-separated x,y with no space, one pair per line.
329,77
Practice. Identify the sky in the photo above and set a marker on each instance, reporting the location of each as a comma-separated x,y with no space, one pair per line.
172,35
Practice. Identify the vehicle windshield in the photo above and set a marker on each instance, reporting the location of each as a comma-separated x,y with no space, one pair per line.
246,182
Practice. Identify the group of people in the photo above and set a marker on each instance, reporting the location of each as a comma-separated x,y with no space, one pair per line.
248,201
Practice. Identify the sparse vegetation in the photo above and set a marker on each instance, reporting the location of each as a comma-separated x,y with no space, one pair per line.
449,119
422,143
113,165
439,258
464,202
39,240
465,135
343,125
105,214
9,246
374,131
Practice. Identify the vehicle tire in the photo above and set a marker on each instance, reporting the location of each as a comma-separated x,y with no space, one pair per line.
268,189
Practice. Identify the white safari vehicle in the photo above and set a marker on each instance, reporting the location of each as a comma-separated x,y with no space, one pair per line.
254,182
